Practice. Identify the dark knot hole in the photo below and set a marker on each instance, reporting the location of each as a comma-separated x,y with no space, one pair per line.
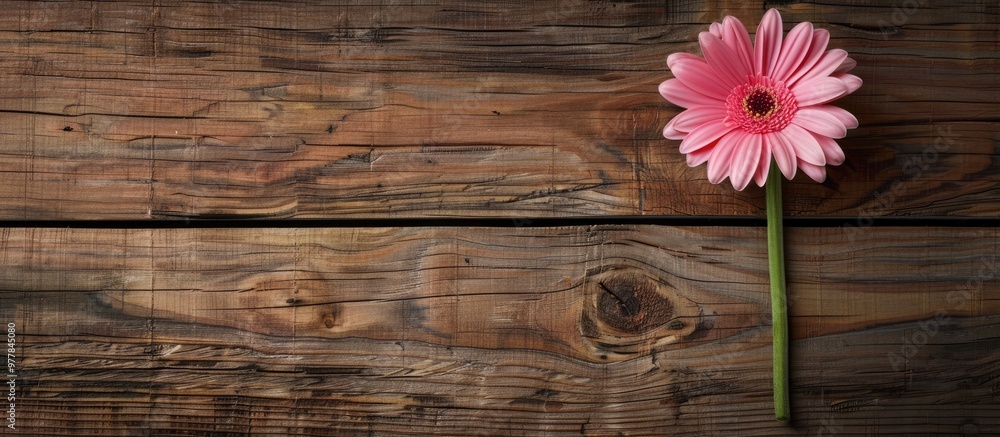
632,304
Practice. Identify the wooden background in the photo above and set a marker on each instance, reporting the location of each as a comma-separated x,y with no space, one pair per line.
556,277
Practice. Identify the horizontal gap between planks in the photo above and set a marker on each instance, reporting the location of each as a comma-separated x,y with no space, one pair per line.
731,221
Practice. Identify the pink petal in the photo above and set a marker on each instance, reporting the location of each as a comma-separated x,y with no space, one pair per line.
804,144
851,81
745,161
694,72
819,90
673,134
688,120
846,65
738,40
679,94
816,49
674,58
764,164
825,66
834,154
818,120
723,61
794,50
784,153
721,159
815,172
698,157
716,29
702,136
841,114
767,42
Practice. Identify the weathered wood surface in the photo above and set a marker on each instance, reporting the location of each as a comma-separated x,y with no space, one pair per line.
136,110
598,330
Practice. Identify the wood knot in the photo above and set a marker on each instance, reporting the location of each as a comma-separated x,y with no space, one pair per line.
629,312
631,303
330,321
333,318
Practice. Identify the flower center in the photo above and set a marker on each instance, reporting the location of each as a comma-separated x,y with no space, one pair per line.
760,102
761,105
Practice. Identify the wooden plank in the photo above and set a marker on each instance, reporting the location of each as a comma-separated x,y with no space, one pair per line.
133,110
591,330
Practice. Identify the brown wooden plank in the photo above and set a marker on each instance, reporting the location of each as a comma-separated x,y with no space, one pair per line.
592,330
136,110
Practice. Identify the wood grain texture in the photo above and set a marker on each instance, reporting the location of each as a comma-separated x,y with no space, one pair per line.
598,330
137,110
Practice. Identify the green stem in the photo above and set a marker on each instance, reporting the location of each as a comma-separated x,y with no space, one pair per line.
779,308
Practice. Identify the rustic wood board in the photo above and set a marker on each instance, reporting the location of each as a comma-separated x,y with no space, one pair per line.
139,110
593,330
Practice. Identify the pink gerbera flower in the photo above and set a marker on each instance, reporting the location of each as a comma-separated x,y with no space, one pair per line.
746,103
